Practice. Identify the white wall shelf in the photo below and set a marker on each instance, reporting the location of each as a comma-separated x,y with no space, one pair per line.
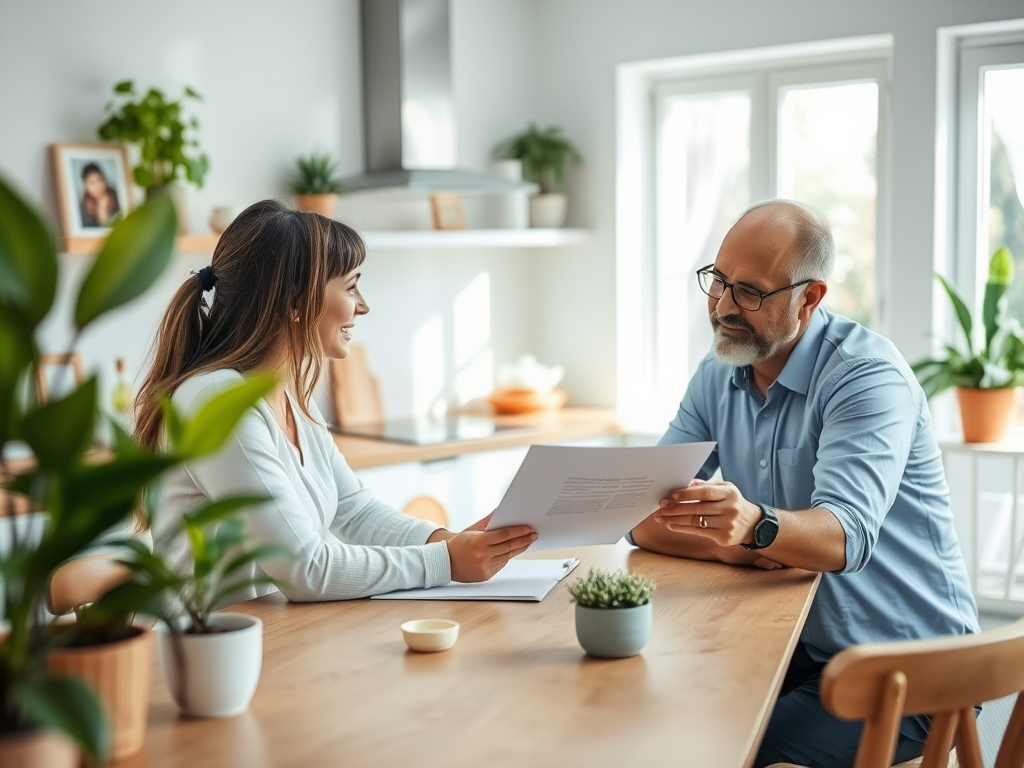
405,240
474,238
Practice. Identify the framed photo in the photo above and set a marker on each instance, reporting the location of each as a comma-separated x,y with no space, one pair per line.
93,190
447,210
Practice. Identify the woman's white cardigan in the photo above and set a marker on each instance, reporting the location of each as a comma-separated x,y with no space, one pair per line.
345,543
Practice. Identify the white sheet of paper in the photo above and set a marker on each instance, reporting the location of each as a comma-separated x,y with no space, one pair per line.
575,495
528,580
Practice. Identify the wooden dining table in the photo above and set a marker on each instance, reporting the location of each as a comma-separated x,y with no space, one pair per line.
340,688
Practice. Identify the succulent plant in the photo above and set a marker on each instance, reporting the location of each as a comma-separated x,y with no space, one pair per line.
606,589
315,174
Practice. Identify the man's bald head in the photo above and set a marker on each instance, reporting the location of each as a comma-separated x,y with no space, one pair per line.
814,249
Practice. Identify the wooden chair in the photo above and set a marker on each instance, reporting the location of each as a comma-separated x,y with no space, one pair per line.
83,580
944,678
427,508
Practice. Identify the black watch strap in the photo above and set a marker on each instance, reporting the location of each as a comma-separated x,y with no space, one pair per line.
766,529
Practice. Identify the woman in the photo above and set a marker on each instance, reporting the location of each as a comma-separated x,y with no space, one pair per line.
98,205
285,297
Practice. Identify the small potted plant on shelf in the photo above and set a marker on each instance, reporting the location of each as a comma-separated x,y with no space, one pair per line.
315,184
985,375
210,661
613,612
545,153
167,151
69,495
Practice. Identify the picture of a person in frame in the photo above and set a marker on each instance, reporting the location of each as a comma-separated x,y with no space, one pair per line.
98,204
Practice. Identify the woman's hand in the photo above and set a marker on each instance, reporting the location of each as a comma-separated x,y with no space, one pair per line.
476,554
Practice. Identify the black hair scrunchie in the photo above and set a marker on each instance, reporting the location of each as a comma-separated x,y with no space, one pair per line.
206,278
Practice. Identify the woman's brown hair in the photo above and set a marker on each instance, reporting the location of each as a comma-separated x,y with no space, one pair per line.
270,267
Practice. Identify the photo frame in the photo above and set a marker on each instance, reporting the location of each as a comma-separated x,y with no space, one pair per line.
447,210
92,185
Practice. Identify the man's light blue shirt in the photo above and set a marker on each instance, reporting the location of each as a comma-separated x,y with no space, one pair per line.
846,427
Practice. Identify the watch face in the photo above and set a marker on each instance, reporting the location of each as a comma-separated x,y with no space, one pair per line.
765,533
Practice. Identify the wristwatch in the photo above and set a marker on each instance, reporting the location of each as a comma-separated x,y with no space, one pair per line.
766,530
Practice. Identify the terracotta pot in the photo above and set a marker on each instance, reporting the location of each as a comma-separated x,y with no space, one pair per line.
120,673
986,414
38,749
322,204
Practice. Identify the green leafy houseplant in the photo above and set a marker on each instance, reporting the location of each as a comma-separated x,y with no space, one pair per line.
83,493
605,589
544,152
998,362
160,130
315,174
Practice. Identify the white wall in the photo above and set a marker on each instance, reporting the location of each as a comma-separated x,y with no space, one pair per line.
580,43
280,79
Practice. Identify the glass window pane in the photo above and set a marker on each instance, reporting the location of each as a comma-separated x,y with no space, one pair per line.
703,172
828,139
1003,137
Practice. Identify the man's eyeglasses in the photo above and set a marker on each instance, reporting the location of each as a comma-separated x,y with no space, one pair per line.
746,297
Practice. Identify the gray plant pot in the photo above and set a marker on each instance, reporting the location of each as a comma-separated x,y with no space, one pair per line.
613,633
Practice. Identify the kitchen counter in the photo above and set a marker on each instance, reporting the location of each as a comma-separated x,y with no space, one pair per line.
563,425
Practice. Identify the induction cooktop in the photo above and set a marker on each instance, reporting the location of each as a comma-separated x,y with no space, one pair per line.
424,430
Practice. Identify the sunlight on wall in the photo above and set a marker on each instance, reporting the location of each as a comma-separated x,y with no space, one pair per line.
428,367
474,357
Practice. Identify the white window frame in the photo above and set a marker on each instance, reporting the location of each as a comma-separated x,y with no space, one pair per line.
636,236
961,51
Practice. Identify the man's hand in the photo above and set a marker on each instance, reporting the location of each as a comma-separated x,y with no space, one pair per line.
714,510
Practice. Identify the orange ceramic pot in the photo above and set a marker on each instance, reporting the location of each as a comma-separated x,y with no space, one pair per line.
986,414
514,400
322,204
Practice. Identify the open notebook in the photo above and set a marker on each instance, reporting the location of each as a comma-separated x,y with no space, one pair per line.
527,580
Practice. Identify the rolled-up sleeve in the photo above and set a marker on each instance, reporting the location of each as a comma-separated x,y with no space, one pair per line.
868,424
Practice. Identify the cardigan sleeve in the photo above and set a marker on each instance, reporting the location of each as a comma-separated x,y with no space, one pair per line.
367,548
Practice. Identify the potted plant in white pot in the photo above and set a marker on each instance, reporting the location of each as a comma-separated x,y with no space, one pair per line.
210,660
986,375
613,612
163,136
545,153
315,184
82,493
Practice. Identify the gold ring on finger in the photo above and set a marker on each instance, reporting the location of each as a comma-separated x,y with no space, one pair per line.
702,521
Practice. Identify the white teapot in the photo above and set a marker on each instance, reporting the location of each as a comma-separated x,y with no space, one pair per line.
528,373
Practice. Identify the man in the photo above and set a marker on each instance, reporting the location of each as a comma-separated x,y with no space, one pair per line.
829,464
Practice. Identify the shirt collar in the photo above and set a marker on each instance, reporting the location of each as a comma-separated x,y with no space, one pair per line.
796,373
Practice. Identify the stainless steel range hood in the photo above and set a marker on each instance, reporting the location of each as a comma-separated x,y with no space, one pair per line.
409,129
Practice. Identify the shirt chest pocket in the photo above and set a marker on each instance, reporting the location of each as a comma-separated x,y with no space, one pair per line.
795,488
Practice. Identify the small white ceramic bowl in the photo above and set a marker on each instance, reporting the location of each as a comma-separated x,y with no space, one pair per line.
430,634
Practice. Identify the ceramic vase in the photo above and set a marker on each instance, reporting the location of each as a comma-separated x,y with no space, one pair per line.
548,210
213,675
986,414
613,633
120,673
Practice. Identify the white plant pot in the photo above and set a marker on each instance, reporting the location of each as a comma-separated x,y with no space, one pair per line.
216,674
548,210
613,633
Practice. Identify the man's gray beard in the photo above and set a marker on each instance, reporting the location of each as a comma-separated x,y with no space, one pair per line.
749,350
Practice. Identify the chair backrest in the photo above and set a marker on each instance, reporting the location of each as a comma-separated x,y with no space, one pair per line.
944,678
427,508
84,580
48,360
